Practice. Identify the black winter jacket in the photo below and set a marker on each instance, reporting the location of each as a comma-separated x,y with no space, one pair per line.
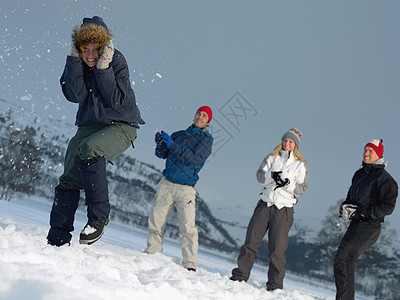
104,96
374,191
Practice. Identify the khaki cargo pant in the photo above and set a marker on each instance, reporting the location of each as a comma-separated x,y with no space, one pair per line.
183,197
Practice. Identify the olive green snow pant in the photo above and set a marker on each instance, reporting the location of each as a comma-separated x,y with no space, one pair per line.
97,144
183,197
278,223
108,141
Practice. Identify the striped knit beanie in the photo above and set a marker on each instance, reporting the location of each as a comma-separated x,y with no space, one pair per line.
295,135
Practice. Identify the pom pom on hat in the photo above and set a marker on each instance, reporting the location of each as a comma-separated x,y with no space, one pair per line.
207,110
376,144
295,135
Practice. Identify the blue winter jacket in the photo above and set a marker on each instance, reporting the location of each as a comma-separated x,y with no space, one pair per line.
187,155
104,96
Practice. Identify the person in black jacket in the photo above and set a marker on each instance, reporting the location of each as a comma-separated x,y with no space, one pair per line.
372,196
95,76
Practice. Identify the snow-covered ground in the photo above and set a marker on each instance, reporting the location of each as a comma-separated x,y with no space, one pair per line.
116,267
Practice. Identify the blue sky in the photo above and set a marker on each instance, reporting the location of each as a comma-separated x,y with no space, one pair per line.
329,68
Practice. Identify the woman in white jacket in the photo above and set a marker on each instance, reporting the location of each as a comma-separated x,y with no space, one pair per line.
283,174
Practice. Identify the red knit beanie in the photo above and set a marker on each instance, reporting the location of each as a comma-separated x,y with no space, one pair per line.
376,144
207,110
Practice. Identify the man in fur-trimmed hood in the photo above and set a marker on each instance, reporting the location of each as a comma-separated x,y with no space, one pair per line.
96,33
95,76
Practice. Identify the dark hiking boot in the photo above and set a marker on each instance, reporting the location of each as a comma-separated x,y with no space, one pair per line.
191,269
58,237
233,278
62,216
270,289
92,233
58,243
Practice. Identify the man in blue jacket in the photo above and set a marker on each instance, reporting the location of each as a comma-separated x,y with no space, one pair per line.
185,152
95,76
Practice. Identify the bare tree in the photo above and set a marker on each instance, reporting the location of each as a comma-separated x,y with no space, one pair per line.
20,162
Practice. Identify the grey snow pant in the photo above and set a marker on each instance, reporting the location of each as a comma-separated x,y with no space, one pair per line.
358,238
278,223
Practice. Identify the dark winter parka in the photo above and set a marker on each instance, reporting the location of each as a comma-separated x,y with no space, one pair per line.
374,191
104,96
187,155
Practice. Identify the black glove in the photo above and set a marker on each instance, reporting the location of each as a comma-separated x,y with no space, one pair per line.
282,183
356,216
276,176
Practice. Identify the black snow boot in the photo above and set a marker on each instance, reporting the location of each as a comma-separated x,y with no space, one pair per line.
62,216
95,184
92,233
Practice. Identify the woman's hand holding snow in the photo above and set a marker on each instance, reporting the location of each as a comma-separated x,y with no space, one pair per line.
106,56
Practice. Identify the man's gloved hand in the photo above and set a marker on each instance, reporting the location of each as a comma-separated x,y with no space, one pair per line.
166,139
158,140
106,56
347,211
74,51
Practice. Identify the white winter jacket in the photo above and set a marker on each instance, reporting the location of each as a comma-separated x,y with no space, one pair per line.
296,171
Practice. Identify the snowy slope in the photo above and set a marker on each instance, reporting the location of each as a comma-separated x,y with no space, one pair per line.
115,267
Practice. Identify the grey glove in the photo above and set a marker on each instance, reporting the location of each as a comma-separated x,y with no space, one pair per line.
74,51
347,211
106,56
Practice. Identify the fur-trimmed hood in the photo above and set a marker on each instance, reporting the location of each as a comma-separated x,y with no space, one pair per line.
93,31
